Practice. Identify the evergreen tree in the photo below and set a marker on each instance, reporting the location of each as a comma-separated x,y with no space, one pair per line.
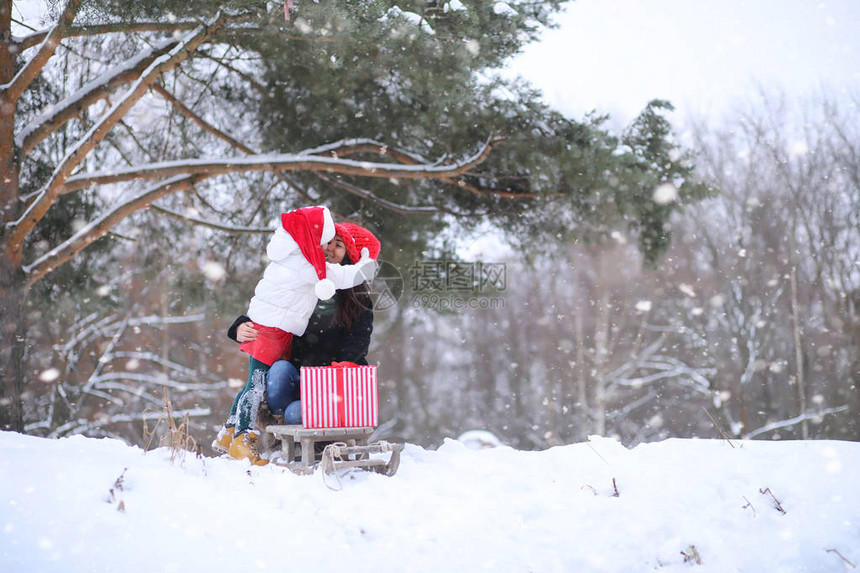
224,114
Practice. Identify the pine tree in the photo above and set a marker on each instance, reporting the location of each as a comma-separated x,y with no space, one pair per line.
120,118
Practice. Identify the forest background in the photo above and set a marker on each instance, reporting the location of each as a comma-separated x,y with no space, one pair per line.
544,278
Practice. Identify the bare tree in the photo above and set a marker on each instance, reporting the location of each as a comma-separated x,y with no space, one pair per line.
785,222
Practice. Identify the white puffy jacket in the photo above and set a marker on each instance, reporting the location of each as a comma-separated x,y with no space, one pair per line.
287,294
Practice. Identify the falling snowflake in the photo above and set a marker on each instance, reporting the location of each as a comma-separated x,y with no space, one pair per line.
49,375
214,271
687,290
665,194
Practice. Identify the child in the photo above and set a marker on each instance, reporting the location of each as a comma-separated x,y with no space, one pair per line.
284,299
339,329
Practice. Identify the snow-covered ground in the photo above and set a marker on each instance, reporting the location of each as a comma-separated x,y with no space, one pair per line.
82,504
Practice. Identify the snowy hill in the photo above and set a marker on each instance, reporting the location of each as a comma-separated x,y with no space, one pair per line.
81,504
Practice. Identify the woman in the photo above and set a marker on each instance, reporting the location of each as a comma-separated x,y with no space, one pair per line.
338,330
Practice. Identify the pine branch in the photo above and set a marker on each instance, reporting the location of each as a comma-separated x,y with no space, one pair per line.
210,224
384,203
25,76
72,107
183,181
199,121
261,89
34,39
102,226
129,28
349,147
212,130
275,163
19,229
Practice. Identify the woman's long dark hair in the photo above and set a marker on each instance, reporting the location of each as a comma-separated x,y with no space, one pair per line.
350,303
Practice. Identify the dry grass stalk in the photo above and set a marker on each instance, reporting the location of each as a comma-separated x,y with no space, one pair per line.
749,505
845,559
115,492
719,429
691,555
176,437
594,491
776,504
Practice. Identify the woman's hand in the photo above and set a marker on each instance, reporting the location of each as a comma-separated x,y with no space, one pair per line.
246,332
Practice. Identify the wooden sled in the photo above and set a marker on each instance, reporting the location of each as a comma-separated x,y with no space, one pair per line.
346,448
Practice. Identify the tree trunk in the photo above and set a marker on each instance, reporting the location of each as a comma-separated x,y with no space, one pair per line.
12,326
601,356
12,336
798,343
579,307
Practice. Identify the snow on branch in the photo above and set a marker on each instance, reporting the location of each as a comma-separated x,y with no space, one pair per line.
108,386
88,326
19,229
91,327
663,367
175,367
25,76
659,367
348,147
69,248
115,381
107,397
793,421
73,105
210,167
83,425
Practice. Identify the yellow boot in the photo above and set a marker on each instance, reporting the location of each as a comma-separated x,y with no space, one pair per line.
221,444
244,445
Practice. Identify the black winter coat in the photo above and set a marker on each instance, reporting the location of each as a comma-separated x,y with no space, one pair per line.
323,341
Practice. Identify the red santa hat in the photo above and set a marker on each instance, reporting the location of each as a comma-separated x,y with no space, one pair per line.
355,238
310,228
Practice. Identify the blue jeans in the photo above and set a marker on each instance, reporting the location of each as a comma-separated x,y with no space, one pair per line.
283,391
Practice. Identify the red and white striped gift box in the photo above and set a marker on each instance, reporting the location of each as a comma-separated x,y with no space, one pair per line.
339,397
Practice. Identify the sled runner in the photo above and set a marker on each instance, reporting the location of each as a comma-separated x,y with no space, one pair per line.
346,448
341,455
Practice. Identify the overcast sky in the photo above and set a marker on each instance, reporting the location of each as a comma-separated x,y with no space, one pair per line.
703,55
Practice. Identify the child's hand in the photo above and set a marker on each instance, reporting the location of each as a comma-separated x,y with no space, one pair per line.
246,332
366,266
